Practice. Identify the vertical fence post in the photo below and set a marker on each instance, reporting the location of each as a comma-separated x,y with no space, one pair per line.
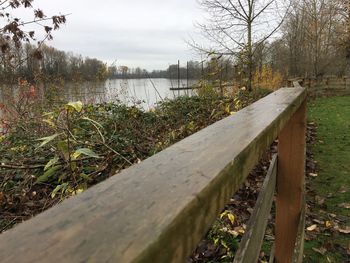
178,77
290,184
187,85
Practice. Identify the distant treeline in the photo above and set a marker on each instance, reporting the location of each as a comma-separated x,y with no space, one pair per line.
223,69
48,63
193,71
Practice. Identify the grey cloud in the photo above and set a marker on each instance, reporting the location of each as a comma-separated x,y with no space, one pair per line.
142,33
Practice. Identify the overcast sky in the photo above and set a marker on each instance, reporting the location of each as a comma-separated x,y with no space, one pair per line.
146,33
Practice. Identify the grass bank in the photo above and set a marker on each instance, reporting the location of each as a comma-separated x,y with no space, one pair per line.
328,222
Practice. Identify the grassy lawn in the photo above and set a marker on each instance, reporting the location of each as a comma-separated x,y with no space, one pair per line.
330,189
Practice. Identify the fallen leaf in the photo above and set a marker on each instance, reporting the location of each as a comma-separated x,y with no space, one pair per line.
343,190
269,238
311,228
345,230
319,200
233,233
328,224
240,230
345,205
318,221
231,218
307,237
320,250
330,195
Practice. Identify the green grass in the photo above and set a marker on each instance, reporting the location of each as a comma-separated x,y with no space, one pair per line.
332,153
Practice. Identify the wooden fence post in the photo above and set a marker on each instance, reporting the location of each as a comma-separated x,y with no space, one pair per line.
290,184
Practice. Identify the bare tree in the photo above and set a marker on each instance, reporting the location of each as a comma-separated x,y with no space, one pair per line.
313,32
240,27
14,31
344,10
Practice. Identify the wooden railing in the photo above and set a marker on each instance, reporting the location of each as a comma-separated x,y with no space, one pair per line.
158,210
325,86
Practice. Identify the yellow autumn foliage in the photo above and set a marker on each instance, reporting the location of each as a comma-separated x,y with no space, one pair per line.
267,79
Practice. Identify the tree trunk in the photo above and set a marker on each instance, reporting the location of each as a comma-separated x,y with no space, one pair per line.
250,57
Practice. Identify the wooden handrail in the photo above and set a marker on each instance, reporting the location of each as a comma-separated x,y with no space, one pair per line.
158,210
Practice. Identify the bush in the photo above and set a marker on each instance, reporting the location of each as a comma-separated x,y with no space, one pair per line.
265,78
63,149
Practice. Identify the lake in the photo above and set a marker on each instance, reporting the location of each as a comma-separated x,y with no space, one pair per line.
144,92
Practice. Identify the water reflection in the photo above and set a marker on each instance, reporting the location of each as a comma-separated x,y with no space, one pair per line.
144,92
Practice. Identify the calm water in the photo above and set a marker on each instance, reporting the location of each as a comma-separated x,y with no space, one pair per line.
144,92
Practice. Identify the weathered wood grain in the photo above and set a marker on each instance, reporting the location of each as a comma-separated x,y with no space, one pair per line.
296,84
250,246
290,184
158,210
272,253
299,244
